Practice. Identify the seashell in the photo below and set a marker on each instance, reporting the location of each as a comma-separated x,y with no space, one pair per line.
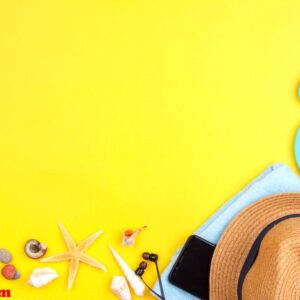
34,249
41,277
129,236
134,281
120,288
10,272
5,256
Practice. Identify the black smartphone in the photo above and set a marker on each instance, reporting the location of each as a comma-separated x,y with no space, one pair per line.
191,269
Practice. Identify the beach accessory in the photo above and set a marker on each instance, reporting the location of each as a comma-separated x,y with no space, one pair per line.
76,254
10,272
34,249
42,276
297,147
258,255
297,138
129,236
120,288
5,256
278,178
134,281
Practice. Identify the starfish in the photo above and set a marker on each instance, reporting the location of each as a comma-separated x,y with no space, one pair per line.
76,254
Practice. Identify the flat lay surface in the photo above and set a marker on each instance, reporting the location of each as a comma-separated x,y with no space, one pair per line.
120,114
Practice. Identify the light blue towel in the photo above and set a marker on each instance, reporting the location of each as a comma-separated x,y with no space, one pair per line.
277,179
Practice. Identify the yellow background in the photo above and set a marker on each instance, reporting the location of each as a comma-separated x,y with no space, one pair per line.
118,114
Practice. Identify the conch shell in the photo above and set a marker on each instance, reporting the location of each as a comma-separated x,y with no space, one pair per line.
129,236
120,288
41,277
135,282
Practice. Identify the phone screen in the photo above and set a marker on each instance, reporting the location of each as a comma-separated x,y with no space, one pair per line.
191,269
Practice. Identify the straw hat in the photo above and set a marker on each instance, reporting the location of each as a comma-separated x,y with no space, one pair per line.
258,255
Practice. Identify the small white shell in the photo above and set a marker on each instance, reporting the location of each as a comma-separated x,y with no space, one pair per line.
120,288
41,277
129,236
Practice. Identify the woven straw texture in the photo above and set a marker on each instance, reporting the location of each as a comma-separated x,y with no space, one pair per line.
276,271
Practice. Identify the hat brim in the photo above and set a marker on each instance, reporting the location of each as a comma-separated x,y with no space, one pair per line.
238,238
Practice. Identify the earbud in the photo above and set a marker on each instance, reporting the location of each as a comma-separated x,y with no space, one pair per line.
141,269
154,258
139,272
150,256
143,265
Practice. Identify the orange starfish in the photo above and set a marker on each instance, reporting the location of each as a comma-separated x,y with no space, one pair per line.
76,254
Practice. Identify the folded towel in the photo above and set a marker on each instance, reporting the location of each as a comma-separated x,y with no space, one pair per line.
277,179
